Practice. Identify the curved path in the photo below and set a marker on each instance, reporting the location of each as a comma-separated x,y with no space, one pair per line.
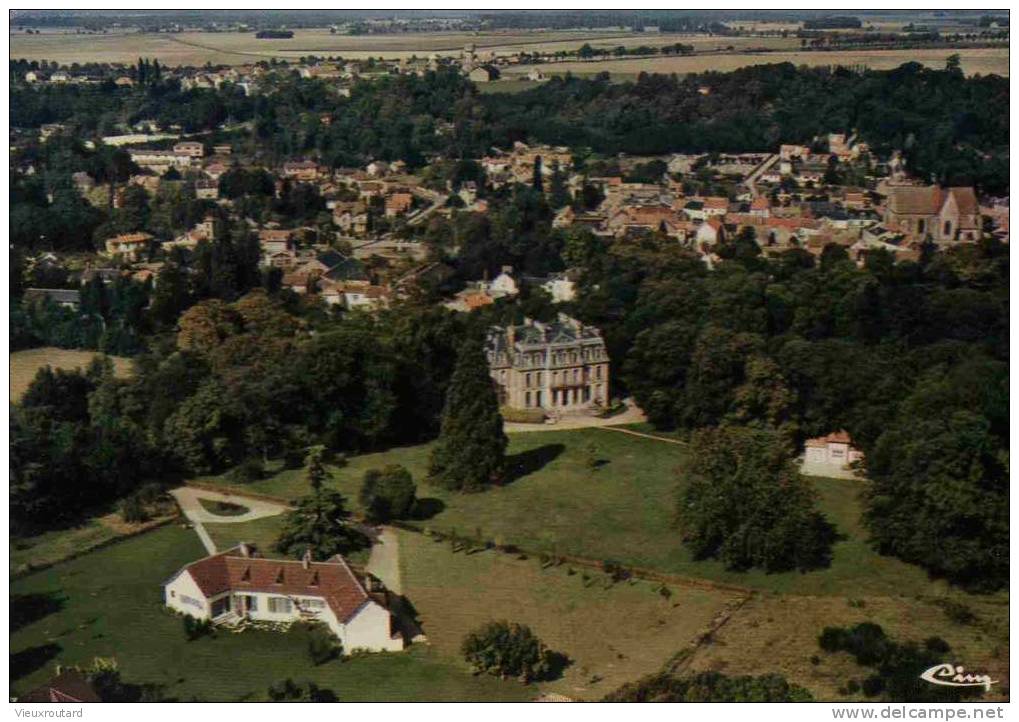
188,499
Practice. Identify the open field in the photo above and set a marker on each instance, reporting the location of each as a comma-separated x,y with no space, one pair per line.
623,511
778,633
974,60
613,633
108,603
25,364
197,48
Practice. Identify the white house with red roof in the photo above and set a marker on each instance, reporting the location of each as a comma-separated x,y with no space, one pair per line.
239,584
830,455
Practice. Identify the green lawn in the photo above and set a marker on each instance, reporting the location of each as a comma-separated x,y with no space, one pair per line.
109,603
622,511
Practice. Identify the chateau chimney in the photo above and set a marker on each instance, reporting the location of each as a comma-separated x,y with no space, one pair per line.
306,559
245,550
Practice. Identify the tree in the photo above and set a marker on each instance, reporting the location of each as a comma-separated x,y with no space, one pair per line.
290,691
470,453
320,523
537,180
388,493
508,650
941,476
710,687
747,504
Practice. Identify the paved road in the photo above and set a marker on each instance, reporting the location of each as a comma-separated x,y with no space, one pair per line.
384,561
187,497
751,181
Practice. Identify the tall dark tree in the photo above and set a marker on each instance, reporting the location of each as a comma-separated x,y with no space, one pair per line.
471,450
321,522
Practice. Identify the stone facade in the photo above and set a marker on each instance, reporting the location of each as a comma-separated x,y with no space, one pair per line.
561,366
945,215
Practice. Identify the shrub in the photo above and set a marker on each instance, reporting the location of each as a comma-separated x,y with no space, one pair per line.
388,493
523,416
249,470
133,510
852,686
323,646
957,611
195,628
290,691
507,650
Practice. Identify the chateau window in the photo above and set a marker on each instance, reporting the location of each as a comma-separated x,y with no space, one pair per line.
597,373
948,229
527,399
528,382
539,378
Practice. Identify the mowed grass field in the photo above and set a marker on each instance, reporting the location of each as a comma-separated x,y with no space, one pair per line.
612,633
983,61
622,511
109,603
25,364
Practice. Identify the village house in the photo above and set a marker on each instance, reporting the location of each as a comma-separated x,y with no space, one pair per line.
560,366
275,241
160,161
66,298
833,453
238,584
129,246
190,148
946,215
206,189
397,204
301,170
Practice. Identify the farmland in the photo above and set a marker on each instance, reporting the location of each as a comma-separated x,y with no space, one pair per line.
981,61
240,48
25,364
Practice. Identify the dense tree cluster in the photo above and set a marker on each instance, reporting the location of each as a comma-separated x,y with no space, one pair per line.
240,380
747,504
928,114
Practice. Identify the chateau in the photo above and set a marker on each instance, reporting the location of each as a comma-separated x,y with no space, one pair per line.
560,366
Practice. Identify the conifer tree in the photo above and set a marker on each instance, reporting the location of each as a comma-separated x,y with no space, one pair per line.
472,445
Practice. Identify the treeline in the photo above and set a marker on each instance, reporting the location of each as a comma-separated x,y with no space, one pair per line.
585,51
929,114
99,109
910,358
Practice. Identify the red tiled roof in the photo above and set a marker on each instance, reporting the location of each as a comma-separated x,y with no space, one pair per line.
836,437
232,571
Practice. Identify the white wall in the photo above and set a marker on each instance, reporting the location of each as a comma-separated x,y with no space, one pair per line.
181,587
369,629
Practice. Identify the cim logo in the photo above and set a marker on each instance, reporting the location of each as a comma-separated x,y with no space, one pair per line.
948,675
